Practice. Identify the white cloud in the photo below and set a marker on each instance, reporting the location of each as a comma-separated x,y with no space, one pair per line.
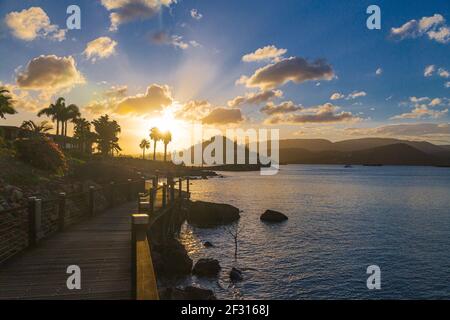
196,15
266,53
154,100
447,84
100,48
33,23
429,70
443,73
337,96
163,38
434,27
124,11
379,72
356,94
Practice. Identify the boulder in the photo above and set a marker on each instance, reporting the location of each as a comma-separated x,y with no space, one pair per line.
207,214
188,293
273,216
206,268
236,275
171,259
208,244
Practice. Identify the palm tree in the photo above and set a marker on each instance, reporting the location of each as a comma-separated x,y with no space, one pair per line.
145,144
82,132
6,103
69,113
155,135
36,128
166,138
55,112
106,134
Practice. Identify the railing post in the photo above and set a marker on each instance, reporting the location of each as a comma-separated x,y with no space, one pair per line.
143,185
151,200
111,194
91,201
164,195
32,222
172,192
61,210
180,192
139,224
155,181
188,182
130,190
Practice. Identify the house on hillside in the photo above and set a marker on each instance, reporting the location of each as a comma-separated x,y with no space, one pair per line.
11,133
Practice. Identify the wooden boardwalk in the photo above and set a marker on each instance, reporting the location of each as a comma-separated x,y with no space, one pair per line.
100,246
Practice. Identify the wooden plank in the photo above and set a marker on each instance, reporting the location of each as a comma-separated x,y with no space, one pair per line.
99,246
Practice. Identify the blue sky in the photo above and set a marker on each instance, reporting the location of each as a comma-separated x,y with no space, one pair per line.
201,59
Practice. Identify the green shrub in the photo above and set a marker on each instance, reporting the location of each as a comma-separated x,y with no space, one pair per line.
42,153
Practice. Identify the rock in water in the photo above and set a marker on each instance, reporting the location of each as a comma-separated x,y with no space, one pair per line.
206,214
171,259
236,275
188,293
273,216
206,268
208,244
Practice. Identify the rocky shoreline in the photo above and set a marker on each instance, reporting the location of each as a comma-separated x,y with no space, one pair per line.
174,265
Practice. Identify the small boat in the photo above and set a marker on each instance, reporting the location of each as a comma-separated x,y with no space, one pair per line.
348,166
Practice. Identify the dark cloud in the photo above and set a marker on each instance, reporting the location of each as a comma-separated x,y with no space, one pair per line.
221,116
255,98
293,69
284,107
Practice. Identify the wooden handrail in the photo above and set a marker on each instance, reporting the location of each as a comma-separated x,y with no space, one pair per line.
144,286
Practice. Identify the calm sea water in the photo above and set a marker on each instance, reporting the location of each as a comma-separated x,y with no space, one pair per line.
340,222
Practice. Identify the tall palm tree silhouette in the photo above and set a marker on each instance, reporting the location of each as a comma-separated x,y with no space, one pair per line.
82,132
166,138
55,112
69,113
155,135
106,132
6,103
145,144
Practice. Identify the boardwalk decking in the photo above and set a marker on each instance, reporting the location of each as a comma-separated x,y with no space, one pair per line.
100,246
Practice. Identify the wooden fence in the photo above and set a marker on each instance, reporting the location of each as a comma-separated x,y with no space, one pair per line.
23,227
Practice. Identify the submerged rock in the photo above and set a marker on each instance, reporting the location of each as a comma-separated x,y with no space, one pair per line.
236,275
208,244
207,214
273,216
188,293
206,268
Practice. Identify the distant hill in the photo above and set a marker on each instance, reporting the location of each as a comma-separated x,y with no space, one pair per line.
356,144
356,151
394,154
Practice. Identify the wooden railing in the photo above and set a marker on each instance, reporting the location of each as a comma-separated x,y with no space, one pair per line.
159,199
23,227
